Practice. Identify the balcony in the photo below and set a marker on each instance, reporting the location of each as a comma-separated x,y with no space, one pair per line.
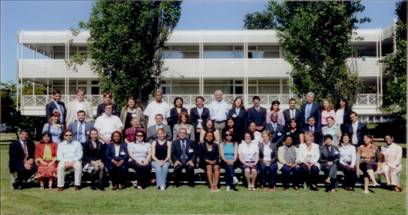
34,105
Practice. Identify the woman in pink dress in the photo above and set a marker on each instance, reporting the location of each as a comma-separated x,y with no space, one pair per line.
46,160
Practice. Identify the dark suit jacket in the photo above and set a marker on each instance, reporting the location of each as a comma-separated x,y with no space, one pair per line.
240,121
314,112
204,154
299,117
329,155
259,117
176,151
278,135
361,131
194,117
110,154
273,155
50,107
16,155
317,134
174,115
91,153
101,109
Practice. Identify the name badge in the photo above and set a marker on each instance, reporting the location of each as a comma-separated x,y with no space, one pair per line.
134,115
279,134
234,115
199,120
190,150
87,133
122,153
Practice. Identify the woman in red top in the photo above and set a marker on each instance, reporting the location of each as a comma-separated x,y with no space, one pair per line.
46,160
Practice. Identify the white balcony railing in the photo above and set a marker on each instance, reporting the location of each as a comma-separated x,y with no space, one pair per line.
42,100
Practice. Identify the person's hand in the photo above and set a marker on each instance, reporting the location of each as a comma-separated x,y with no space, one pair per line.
198,130
30,161
68,164
52,163
120,163
190,163
161,162
27,166
329,163
177,163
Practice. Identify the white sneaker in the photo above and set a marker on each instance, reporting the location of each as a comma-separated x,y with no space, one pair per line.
228,188
162,187
235,180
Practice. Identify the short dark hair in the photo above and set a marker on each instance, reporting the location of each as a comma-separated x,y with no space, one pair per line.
81,111
256,98
199,97
178,98
292,99
54,92
328,136
107,93
352,112
275,102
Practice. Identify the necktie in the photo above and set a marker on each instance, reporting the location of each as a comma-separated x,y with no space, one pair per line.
311,128
183,151
308,107
80,132
274,126
25,150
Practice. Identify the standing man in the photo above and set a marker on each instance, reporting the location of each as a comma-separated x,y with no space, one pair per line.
107,99
275,129
107,123
356,129
198,115
293,113
79,104
21,159
257,114
310,108
81,128
158,106
219,110
56,105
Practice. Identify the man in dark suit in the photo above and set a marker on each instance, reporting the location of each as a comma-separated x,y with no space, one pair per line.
56,105
152,130
257,114
183,155
356,129
275,129
317,132
329,157
311,109
80,128
198,116
293,113
107,99
21,159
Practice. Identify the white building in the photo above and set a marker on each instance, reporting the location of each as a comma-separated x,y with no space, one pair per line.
240,62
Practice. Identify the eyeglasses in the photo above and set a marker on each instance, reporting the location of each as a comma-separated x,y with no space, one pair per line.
68,135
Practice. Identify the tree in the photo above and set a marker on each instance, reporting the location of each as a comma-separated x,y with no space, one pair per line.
395,75
125,41
259,20
315,38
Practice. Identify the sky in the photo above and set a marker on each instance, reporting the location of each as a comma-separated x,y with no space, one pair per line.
195,14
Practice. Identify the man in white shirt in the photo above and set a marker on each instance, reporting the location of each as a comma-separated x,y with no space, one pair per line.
69,155
356,129
219,110
79,104
107,123
391,167
158,106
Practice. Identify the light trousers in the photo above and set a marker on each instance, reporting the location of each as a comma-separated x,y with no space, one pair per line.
61,173
161,172
392,174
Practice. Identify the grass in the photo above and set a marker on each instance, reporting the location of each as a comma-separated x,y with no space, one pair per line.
198,200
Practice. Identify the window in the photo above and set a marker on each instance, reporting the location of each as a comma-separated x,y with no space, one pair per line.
180,52
263,51
225,51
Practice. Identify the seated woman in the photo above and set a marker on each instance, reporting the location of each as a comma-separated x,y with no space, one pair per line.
46,160
54,128
268,169
161,152
391,164
116,158
210,160
209,126
92,160
255,133
229,155
140,156
308,160
287,163
294,132
367,157
347,162
248,152
329,157
183,122
130,133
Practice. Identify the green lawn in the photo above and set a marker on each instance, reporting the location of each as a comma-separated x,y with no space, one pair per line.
198,200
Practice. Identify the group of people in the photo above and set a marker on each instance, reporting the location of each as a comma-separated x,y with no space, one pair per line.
300,143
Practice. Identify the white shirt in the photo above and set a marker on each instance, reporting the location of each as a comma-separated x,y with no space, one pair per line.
354,139
218,110
69,151
267,153
340,116
138,151
348,155
107,125
154,108
306,156
248,151
117,150
76,106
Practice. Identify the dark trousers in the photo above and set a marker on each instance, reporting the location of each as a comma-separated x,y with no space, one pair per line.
310,176
330,171
177,173
142,173
118,174
23,176
229,173
292,174
268,174
349,176
364,166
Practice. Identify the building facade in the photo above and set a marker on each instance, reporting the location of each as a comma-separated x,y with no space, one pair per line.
239,62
